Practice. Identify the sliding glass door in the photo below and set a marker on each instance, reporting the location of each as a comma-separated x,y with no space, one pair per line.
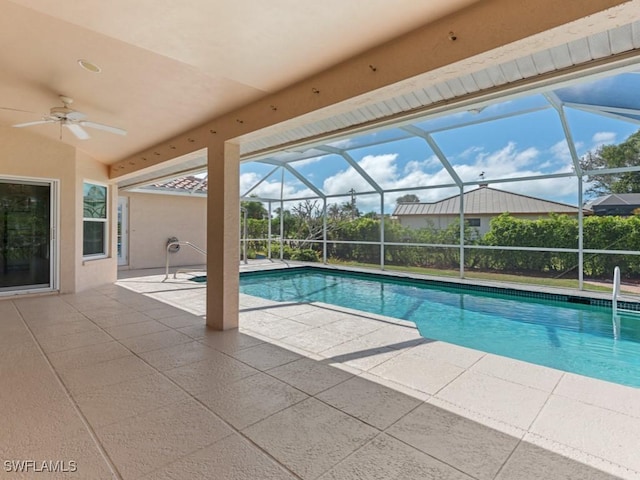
26,221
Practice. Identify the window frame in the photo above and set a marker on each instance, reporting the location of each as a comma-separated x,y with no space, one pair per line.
104,221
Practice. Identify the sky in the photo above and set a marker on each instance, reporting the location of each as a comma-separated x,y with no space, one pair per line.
528,144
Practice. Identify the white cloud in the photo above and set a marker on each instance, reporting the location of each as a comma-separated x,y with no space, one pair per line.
248,180
603,138
470,152
382,168
506,162
271,188
499,163
307,161
418,165
561,151
343,144
548,189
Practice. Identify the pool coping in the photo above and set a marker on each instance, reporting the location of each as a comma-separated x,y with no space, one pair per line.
570,416
525,291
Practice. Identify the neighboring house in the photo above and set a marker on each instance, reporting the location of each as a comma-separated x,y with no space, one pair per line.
150,215
480,206
622,204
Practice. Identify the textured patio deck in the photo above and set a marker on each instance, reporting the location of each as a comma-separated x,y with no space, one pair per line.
127,382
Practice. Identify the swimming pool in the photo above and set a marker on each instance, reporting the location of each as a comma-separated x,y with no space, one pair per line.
548,330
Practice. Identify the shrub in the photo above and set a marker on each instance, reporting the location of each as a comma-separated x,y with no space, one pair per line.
305,255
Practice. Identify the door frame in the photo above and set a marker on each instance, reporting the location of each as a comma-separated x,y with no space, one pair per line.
54,222
123,220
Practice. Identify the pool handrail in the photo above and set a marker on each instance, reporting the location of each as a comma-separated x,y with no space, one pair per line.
616,290
616,297
178,243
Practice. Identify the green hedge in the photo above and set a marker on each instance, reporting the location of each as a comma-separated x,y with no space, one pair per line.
554,231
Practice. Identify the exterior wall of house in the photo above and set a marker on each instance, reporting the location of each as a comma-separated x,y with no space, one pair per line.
94,272
154,218
620,210
423,221
443,221
28,155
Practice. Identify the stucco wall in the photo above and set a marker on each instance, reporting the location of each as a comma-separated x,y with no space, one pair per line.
28,155
443,221
24,154
94,272
153,218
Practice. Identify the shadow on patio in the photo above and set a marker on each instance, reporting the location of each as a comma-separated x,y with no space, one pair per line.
128,386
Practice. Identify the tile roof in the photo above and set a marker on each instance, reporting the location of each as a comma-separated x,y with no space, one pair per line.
185,184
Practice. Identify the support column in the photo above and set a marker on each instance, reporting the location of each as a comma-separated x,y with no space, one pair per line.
269,233
461,231
223,235
382,231
282,215
580,235
324,230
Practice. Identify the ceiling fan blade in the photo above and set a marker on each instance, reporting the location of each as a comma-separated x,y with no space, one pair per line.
37,122
16,110
106,128
75,116
77,130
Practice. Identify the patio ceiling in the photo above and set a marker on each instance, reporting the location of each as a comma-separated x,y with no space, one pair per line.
172,66
204,59
522,86
609,96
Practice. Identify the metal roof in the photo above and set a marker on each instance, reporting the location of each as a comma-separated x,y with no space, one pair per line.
486,201
616,199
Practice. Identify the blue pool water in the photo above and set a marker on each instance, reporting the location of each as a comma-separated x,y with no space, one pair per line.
570,337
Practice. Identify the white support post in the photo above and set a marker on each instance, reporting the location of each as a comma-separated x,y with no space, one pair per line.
269,233
381,230
580,237
324,231
282,215
461,231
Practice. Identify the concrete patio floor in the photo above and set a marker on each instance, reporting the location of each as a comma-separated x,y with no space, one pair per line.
127,382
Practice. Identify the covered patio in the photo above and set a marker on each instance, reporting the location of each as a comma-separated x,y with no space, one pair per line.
135,378
127,381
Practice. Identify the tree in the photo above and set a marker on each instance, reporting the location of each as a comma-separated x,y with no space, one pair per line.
255,209
288,222
408,198
309,222
350,210
626,154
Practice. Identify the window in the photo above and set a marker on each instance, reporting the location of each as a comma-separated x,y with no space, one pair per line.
94,225
473,222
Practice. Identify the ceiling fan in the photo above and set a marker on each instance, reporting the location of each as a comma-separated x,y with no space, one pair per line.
71,119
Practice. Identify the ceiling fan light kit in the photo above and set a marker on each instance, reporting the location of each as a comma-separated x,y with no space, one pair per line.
89,66
71,119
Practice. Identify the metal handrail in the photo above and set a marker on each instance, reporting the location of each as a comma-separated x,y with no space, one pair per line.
171,244
616,297
616,290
